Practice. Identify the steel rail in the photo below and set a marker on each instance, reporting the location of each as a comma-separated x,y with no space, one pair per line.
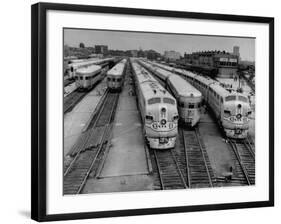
97,152
161,172
249,146
78,153
234,148
205,162
94,160
187,162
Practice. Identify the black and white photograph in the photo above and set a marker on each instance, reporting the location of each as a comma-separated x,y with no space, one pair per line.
149,111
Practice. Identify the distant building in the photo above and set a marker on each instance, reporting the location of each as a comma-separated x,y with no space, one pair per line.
236,52
141,53
101,49
134,53
171,55
152,55
226,63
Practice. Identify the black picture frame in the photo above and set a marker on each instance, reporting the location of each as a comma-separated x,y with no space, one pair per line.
39,108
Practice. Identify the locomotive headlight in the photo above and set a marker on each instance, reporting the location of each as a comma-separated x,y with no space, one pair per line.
175,118
163,110
154,125
238,116
171,125
163,122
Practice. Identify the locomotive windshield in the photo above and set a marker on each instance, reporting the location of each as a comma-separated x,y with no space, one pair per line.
154,100
234,97
230,98
169,101
243,99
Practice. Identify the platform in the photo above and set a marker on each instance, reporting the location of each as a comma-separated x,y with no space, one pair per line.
216,147
125,167
69,89
75,120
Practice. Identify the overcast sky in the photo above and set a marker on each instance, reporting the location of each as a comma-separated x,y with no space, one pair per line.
159,42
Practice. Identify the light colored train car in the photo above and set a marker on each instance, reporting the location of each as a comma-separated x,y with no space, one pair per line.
87,77
188,98
104,63
232,109
158,110
115,76
73,67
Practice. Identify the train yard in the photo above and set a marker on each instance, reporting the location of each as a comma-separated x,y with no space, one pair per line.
113,150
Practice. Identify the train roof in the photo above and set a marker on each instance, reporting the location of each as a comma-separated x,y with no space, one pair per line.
90,61
214,85
117,69
104,60
88,70
185,72
183,87
142,74
154,89
83,63
149,85
219,89
164,73
206,81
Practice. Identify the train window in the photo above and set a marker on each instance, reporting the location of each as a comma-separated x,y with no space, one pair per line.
191,106
243,99
76,77
154,100
227,113
149,118
81,77
108,78
169,101
230,98
181,104
175,118
221,100
119,80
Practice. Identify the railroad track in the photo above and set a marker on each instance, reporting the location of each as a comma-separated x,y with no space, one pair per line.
251,144
244,165
68,82
246,156
86,153
71,100
170,174
199,172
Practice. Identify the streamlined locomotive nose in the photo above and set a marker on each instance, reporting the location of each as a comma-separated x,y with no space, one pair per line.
238,116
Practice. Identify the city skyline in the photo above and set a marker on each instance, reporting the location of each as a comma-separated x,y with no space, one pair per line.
182,43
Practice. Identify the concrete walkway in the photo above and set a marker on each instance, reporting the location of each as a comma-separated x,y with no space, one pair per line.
75,120
127,154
